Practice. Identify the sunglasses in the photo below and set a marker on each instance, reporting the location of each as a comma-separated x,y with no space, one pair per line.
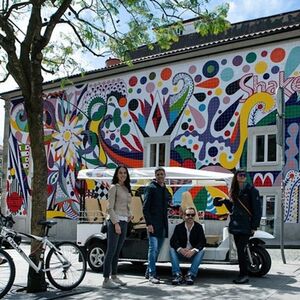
190,215
241,174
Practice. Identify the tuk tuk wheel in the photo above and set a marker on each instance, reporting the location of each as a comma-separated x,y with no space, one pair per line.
96,253
261,261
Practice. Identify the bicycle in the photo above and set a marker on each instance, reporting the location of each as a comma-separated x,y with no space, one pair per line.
65,264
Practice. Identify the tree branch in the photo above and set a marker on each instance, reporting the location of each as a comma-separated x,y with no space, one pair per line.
8,44
80,39
130,12
55,18
90,24
47,71
16,6
164,11
110,15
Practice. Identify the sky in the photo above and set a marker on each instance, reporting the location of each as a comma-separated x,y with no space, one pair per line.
240,10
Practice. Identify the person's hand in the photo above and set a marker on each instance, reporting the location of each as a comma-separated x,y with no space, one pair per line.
150,229
190,253
130,218
117,228
183,251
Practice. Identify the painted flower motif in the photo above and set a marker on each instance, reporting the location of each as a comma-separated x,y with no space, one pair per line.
67,139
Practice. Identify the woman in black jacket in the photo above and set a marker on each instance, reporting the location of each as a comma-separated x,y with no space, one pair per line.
245,214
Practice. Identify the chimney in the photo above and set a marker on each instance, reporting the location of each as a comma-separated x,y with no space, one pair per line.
111,61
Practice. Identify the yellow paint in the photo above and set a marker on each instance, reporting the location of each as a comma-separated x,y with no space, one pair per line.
218,91
187,112
50,214
261,67
215,192
187,201
14,124
94,128
269,103
90,184
67,135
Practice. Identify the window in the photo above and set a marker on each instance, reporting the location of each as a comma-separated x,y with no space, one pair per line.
265,148
262,150
157,155
157,152
268,213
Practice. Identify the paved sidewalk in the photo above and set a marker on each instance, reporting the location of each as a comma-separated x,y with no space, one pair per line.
213,281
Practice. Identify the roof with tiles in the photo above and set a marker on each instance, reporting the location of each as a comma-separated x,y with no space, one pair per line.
241,31
238,31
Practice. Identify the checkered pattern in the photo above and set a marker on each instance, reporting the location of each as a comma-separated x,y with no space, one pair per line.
100,191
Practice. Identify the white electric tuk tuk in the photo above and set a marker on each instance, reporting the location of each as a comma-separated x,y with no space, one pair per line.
188,188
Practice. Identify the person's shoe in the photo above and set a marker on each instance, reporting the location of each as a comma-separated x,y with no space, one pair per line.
189,279
118,281
3,261
109,284
154,279
178,279
241,280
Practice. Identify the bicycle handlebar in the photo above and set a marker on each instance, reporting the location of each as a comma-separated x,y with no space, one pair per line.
6,221
5,231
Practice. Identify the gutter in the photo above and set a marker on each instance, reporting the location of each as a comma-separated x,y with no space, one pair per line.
284,33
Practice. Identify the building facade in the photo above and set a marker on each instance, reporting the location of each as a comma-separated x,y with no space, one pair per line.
208,104
1,168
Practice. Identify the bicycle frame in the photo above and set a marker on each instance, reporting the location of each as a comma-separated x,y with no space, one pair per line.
6,234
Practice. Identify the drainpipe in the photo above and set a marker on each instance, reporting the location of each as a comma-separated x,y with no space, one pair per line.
280,122
5,154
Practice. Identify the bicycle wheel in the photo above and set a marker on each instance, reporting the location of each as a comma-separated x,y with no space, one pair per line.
7,272
66,268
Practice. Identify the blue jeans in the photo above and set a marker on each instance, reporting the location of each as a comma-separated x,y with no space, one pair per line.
155,244
114,246
176,257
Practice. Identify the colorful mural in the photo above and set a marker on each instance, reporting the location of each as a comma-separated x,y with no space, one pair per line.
204,105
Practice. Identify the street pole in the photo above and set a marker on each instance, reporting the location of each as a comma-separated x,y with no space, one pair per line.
280,122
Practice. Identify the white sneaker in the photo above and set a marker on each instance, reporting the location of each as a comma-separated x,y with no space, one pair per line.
118,281
109,284
154,280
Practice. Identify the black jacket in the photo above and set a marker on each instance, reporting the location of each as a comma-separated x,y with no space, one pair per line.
155,208
179,237
240,220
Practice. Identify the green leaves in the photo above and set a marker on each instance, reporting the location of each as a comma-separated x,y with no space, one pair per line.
213,22
90,28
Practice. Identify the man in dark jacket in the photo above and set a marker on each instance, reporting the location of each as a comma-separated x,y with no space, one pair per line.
187,243
155,212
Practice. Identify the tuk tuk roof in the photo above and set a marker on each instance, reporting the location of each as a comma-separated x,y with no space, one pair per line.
199,177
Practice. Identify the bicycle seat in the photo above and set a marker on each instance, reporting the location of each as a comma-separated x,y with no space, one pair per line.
49,223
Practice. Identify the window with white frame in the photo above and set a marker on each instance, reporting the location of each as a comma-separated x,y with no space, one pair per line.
156,151
262,150
268,213
265,148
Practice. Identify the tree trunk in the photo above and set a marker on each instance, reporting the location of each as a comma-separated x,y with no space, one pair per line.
34,108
